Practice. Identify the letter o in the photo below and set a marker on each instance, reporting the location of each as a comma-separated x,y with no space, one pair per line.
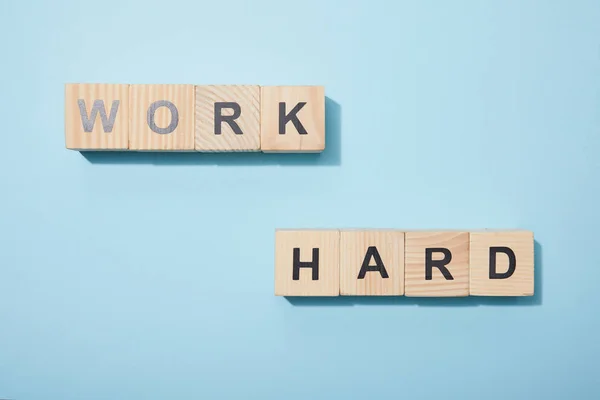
174,116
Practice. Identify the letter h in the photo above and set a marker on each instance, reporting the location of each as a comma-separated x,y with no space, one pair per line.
314,264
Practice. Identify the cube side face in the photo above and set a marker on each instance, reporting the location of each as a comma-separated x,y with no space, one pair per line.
372,263
297,248
96,116
485,246
221,102
452,246
304,109
162,117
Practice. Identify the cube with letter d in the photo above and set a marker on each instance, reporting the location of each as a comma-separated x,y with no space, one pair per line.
501,263
307,263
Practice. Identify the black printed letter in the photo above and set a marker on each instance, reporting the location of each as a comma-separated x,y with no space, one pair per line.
440,264
314,264
227,118
512,262
284,119
372,252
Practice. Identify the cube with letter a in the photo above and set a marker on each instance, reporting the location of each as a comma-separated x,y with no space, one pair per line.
307,263
371,263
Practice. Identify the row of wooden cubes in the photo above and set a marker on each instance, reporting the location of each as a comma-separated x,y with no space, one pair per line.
211,118
410,263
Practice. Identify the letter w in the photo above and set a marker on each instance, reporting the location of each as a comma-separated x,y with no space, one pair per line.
107,122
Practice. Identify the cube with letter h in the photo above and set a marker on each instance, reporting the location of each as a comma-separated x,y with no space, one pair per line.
307,263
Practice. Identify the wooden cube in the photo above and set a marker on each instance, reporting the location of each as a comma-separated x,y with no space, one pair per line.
227,118
307,263
162,117
372,263
437,264
502,263
292,119
96,116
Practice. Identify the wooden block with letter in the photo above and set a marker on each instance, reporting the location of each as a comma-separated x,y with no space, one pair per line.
227,118
96,116
437,264
307,263
162,117
502,263
292,119
372,262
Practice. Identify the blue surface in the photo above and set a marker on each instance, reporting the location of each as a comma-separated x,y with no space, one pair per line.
151,276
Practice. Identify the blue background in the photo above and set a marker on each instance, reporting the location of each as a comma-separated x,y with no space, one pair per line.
150,276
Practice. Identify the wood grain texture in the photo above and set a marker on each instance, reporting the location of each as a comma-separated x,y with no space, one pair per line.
328,244
389,245
311,116
521,283
75,136
248,98
141,137
415,283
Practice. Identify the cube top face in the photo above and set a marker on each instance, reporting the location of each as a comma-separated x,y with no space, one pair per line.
292,118
371,263
227,118
307,263
162,117
96,116
437,264
502,263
